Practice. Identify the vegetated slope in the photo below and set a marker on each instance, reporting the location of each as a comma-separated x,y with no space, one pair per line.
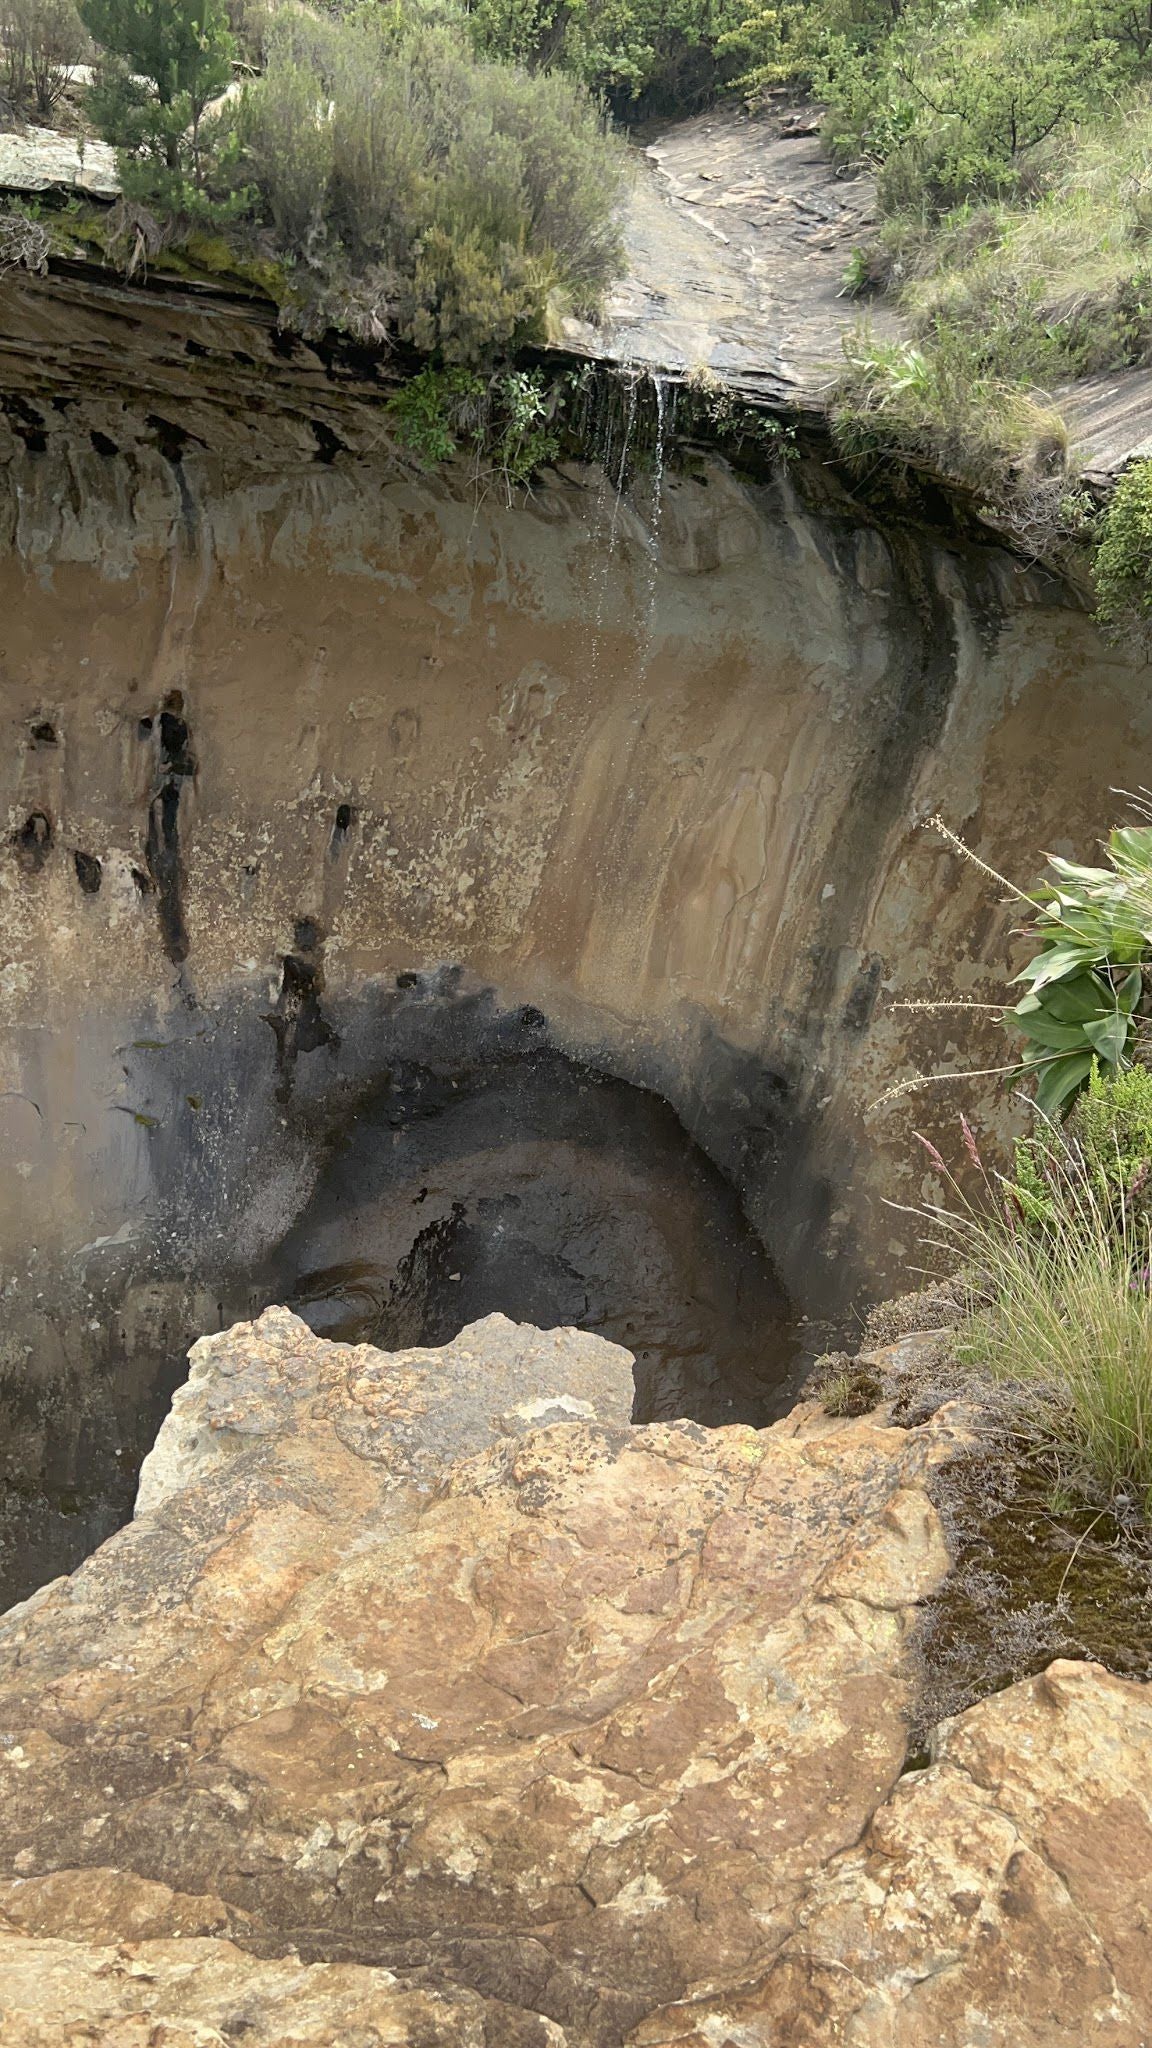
447,175
1013,154
371,171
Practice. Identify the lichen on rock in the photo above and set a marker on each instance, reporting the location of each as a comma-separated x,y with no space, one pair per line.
426,1700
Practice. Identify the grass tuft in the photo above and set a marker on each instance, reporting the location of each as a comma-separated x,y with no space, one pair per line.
1059,1310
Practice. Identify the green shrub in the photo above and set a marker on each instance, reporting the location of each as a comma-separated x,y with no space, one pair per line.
664,56
974,97
160,67
832,47
1041,278
1111,1124
503,423
409,186
434,411
1123,560
1109,1133
40,39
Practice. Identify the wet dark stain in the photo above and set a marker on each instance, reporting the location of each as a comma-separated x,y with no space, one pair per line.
862,997
172,440
32,841
177,765
89,872
25,422
298,1023
328,444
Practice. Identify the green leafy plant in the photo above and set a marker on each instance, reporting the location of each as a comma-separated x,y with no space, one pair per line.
1123,561
433,411
1085,984
1087,999
503,423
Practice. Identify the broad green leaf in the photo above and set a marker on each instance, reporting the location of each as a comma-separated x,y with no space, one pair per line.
1129,992
1108,1036
1073,1001
1059,1081
1131,847
1075,871
1043,1030
1053,964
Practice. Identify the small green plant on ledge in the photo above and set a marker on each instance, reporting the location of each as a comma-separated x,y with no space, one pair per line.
1123,561
1087,999
504,423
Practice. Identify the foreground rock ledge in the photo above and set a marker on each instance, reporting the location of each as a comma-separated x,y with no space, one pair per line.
425,1701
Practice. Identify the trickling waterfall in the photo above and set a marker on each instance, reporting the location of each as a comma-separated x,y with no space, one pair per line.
664,392
628,429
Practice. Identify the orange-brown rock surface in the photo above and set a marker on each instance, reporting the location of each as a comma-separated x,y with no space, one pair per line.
425,1701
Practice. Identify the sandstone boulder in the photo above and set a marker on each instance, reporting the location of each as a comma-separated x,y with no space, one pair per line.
426,1701
1001,1898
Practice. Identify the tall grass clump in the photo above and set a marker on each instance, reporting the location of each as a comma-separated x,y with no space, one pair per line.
1058,1265
939,408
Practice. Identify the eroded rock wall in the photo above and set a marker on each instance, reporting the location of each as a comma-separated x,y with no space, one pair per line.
313,769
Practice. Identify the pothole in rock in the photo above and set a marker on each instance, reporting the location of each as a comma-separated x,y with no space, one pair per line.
556,1196
488,1179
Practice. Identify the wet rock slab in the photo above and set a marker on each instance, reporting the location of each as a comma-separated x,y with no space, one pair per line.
425,1700
738,232
41,160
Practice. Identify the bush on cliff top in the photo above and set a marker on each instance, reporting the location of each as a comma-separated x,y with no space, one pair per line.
159,68
399,183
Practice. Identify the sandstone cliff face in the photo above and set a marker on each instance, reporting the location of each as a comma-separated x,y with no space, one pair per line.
315,770
405,1712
